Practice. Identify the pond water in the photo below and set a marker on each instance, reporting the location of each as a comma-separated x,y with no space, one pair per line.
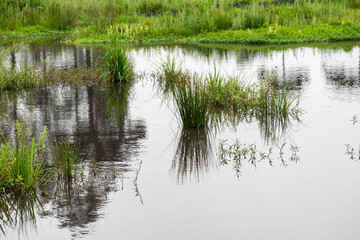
171,183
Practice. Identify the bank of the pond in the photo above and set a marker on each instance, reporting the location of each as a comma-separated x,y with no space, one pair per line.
272,34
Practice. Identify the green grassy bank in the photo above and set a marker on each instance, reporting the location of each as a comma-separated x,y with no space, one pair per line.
225,21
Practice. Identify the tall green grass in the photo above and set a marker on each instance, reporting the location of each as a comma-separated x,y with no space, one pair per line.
198,100
65,157
118,64
22,162
192,104
163,20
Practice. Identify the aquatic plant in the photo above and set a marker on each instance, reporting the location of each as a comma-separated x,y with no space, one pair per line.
239,153
352,152
192,104
65,156
170,71
22,162
118,64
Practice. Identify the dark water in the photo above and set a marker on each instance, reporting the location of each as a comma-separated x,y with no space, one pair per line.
182,190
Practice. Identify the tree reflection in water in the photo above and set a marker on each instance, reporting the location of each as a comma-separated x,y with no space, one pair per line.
99,120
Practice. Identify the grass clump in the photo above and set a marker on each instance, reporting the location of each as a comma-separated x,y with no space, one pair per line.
198,100
187,91
118,64
192,104
65,157
22,162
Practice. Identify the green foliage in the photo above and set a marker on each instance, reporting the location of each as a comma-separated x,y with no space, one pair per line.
198,101
154,20
118,64
150,6
61,18
65,156
192,104
22,162
354,3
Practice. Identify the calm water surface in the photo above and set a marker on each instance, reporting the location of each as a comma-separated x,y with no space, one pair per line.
182,191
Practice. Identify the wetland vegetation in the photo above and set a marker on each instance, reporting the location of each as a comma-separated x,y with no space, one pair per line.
95,124
230,21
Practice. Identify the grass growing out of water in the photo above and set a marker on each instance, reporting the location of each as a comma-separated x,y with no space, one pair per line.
22,162
196,98
65,157
192,104
118,64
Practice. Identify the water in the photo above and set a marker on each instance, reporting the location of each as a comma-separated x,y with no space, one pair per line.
165,190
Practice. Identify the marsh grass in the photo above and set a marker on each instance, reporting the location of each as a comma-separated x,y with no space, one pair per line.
22,162
170,19
65,157
192,104
118,64
197,99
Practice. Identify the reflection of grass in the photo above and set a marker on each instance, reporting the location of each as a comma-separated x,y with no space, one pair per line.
117,99
22,163
193,155
19,211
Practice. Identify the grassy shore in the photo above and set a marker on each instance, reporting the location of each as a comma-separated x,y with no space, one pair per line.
223,21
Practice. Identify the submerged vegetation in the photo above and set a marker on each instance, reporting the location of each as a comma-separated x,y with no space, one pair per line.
256,21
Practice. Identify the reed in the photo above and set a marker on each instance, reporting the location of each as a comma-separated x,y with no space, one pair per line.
118,64
22,162
192,104
65,156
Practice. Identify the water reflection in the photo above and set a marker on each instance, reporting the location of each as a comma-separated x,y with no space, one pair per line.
39,52
77,203
290,79
117,100
194,155
341,77
98,119
19,211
